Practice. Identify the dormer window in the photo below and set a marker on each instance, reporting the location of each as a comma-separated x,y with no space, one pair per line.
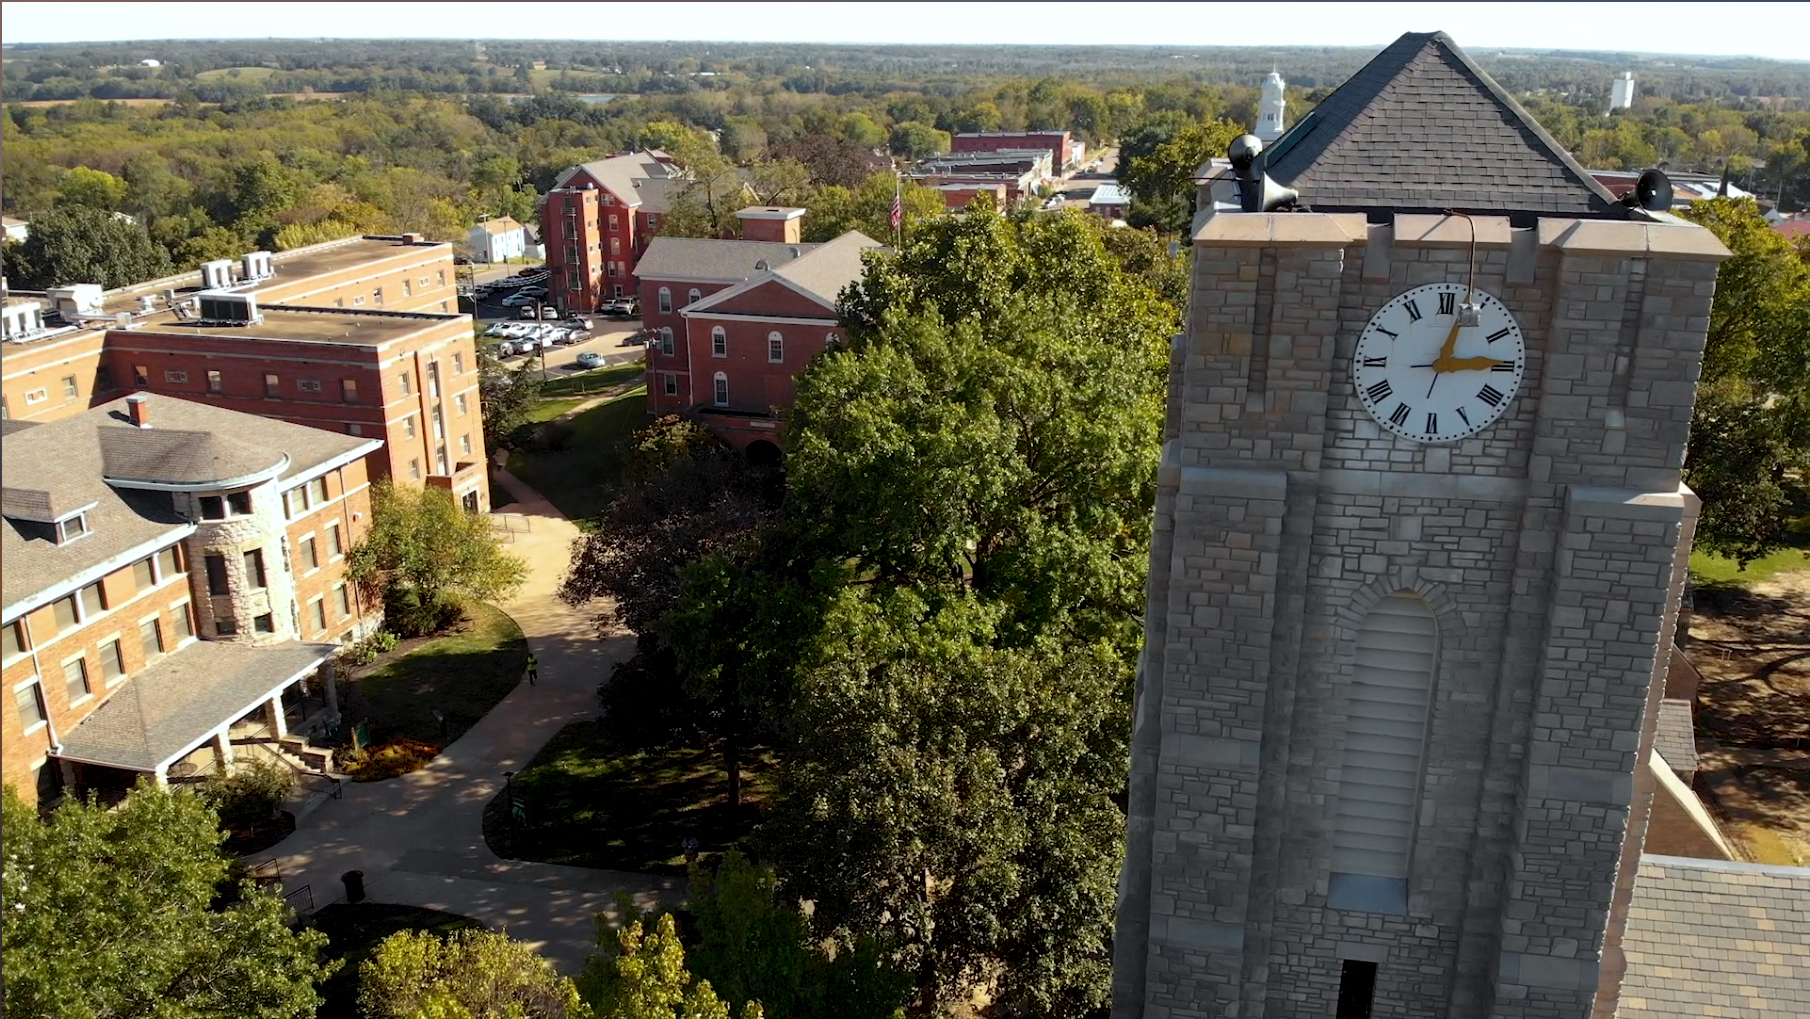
233,504
71,529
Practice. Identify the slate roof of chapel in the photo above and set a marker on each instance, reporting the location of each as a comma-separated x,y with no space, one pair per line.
1423,128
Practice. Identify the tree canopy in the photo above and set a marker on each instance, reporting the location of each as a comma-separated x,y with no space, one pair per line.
131,913
423,544
469,975
84,244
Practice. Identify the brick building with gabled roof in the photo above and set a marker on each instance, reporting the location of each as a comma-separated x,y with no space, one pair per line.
175,582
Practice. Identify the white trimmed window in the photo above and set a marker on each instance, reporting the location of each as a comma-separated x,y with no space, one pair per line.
666,340
665,301
1385,745
776,348
693,297
30,702
722,390
719,342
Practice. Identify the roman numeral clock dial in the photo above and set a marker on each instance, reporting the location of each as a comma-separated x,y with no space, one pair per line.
1425,375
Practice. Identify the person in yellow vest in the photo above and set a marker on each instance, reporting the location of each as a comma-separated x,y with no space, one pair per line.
533,668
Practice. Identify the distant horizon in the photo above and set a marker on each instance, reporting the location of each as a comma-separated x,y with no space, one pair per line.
1739,30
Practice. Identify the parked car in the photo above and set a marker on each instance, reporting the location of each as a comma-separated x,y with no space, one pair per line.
529,311
517,300
535,291
505,348
626,306
590,359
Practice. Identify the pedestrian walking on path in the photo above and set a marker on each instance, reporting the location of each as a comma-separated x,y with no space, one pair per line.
533,668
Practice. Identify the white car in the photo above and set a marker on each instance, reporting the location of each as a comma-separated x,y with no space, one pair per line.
517,300
534,291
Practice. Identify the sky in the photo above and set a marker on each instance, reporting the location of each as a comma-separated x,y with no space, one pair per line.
1721,29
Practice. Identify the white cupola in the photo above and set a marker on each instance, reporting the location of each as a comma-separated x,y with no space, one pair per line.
1272,109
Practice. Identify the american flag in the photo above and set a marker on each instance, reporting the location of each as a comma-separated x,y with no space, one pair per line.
898,210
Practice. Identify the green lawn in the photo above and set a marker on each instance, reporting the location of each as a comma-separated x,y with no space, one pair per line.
594,381
462,675
594,800
353,932
245,73
1709,569
578,479
547,410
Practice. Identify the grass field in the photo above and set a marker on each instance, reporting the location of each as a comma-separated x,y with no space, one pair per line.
461,675
579,479
245,73
353,933
1709,569
593,381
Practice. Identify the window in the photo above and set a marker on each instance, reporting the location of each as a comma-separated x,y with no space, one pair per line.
1386,708
295,503
440,461
216,574
722,390
465,443
36,396
339,302
75,678
408,426
310,555
666,340
254,569
458,364
348,390
1357,989
66,614
358,301
459,403
174,375
15,639
439,426
317,490
440,277
355,429
693,297
776,348
94,601
150,634
345,600
616,249
113,660
308,385
665,301
239,503
71,529
70,389
407,290
263,624
141,376
407,388
272,384
31,704
415,470
185,623
103,379
421,282
672,383
444,309
215,383
169,562
377,297
226,627
317,611
613,221
333,542
212,507
719,342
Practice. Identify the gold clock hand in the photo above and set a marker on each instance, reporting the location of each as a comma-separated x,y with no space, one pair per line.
1472,364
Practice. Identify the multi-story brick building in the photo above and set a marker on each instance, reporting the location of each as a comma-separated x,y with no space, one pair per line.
745,344
175,581
596,222
1059,144
358,336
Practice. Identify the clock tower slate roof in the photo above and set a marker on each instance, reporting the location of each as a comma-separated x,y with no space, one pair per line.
1421,128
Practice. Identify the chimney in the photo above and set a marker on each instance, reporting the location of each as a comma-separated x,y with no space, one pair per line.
411,238
138,407
771,223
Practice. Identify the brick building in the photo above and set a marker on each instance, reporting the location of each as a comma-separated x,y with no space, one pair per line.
1059,144
745,344
359,336
596,222
175,581
1420,542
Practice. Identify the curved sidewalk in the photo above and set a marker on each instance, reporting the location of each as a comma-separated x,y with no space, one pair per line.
419,838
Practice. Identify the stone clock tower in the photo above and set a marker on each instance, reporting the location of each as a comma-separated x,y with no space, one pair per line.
1420,539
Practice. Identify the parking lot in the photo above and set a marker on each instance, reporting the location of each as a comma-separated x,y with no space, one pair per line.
613,339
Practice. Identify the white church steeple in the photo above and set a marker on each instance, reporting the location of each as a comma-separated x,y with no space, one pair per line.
1272,110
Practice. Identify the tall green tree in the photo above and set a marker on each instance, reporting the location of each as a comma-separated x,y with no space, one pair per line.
1750,431
640,974
835,210
91,189
119,914
505,396
430,554
1162,180
78,244
469,975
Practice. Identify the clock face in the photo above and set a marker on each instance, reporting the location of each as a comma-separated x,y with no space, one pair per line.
1425,376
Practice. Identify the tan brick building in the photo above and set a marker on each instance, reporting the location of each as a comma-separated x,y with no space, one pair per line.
175,581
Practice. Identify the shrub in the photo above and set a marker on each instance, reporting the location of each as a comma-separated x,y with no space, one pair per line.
249,795
387,760
407,615
366,651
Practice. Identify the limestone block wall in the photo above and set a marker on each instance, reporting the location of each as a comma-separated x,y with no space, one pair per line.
1549,547
231,538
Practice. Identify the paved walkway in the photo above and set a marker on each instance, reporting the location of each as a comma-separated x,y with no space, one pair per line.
419,838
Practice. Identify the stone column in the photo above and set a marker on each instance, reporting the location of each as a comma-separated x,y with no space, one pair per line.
279,726
223,749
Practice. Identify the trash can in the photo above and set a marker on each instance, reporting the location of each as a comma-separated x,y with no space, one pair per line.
355,885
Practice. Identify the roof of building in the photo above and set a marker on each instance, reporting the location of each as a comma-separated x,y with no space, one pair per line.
499,225
619,173
286,267
1109,194
1676,739
170,708
825,272
1712,938
657,193
358,327
1421,127
57,468
698,258
13,221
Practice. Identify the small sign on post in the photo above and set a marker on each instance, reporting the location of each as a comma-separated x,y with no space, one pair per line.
361,735
519,811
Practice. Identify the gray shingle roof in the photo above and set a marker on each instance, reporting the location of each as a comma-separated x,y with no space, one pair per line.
1709,938
827,270
171,706
1676,739
60,464
1422,128
657,193
619,173
697,258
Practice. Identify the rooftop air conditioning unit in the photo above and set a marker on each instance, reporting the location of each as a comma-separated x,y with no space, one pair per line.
217,308
75,300
255,265
217,275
